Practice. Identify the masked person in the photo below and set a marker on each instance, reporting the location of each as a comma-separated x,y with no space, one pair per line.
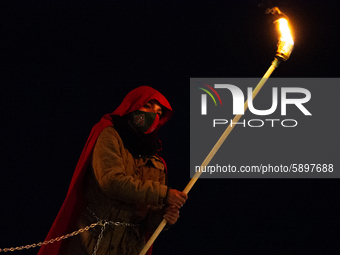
119,180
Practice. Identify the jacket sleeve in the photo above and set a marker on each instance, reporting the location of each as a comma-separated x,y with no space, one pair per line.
111,173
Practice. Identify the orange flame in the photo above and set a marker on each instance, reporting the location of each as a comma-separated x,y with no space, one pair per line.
286,43
286,36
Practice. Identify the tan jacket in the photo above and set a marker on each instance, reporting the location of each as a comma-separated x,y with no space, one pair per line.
120,188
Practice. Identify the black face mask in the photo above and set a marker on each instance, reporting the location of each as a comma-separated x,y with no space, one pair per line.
135,141
144,122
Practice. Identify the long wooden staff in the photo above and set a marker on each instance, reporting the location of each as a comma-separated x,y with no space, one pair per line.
213,151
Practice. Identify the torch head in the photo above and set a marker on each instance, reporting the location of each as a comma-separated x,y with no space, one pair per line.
286,44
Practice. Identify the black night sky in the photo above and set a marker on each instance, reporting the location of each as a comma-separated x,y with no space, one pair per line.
64,64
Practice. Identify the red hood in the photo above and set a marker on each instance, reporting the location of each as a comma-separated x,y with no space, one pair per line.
137,98
74,203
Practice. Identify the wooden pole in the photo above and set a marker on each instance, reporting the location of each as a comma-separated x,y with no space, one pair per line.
213,151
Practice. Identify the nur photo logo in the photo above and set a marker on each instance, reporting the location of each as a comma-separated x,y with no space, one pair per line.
292,98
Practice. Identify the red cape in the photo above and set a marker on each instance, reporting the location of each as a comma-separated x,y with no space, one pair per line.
74,203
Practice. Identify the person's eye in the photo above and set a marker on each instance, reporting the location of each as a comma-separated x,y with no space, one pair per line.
147,106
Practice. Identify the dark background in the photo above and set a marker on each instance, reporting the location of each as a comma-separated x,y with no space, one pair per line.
64,64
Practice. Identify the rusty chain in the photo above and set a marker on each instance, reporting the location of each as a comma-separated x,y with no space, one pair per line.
100,222
19,248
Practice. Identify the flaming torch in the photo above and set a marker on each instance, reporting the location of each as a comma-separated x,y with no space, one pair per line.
285,47
286,43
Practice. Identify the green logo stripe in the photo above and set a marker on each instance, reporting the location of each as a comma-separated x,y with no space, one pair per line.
209,94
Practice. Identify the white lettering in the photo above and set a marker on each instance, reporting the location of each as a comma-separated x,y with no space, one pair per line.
297,101
262,112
